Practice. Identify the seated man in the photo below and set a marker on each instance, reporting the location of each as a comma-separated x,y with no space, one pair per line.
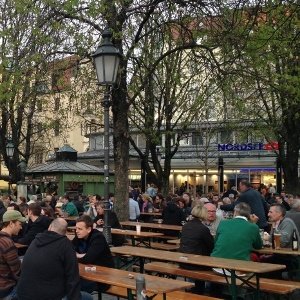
68,208
91,248
213,220
37,223
236,238
50,268
91,208
117,240
9,261
286,227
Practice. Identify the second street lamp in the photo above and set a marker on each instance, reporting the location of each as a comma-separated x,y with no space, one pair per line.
106,59
10,149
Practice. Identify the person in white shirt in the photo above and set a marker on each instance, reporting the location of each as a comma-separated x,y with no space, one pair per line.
134,210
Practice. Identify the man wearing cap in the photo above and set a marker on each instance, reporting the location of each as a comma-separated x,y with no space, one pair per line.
9,260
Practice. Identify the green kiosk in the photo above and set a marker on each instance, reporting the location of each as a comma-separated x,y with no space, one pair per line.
66,175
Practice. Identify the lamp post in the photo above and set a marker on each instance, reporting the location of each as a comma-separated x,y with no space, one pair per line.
106,59
10,148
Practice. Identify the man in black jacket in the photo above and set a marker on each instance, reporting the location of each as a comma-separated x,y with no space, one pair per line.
254,199
37,223
91,248
49,268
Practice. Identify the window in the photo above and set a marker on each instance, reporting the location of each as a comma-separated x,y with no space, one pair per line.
184,141
41,87
39,105
226,136
56,128
197,138
39,129
38,158
56,104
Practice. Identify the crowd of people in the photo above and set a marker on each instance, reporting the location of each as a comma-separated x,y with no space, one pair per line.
229,226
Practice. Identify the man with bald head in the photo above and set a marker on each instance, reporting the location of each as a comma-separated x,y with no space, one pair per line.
49,268
213,220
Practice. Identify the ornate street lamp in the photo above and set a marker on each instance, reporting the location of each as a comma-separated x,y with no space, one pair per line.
10,149
106,59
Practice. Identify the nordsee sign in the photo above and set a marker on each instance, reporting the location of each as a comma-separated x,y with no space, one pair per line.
241,147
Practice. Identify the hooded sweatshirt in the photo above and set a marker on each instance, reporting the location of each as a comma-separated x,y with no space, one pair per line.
49,269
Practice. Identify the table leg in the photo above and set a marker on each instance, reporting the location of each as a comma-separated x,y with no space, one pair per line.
130,294
141,259
133,241
257,292
233,285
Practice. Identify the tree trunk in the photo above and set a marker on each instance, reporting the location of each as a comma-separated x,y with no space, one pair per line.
290,168
121,146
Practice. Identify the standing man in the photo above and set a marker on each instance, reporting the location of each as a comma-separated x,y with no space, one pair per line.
134,209
50,268
9,261
236,238
91,248
254,199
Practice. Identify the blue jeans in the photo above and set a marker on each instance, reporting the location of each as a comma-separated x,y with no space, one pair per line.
12,295
84,296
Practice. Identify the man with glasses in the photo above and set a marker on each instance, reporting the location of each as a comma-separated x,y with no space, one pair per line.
213,220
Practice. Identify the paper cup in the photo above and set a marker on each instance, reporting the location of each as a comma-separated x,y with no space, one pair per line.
138,229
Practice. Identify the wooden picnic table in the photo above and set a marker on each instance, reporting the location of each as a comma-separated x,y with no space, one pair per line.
230,265
121,278
270,250
155,214
18,245
152,225
144,237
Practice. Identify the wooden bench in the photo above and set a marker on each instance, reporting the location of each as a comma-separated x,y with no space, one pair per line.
273,286
157,245
162,246
177,295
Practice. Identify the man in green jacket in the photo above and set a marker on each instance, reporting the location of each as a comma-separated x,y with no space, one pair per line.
236,238
69,207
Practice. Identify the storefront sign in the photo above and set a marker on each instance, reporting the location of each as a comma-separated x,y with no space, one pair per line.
248,146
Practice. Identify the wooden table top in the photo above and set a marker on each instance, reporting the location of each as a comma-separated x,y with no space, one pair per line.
175,241
269,250
145,234
70,218
122,278
127,232
200,260
152,225
157,214
18,245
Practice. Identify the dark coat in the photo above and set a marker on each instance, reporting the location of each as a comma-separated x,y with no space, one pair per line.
196,239
117,240
2,210
172,215
33,228
254,199
49,269
96,250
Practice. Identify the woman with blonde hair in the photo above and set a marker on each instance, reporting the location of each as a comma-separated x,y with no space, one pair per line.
196,239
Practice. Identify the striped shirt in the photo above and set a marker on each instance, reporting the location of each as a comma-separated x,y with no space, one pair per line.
10,264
